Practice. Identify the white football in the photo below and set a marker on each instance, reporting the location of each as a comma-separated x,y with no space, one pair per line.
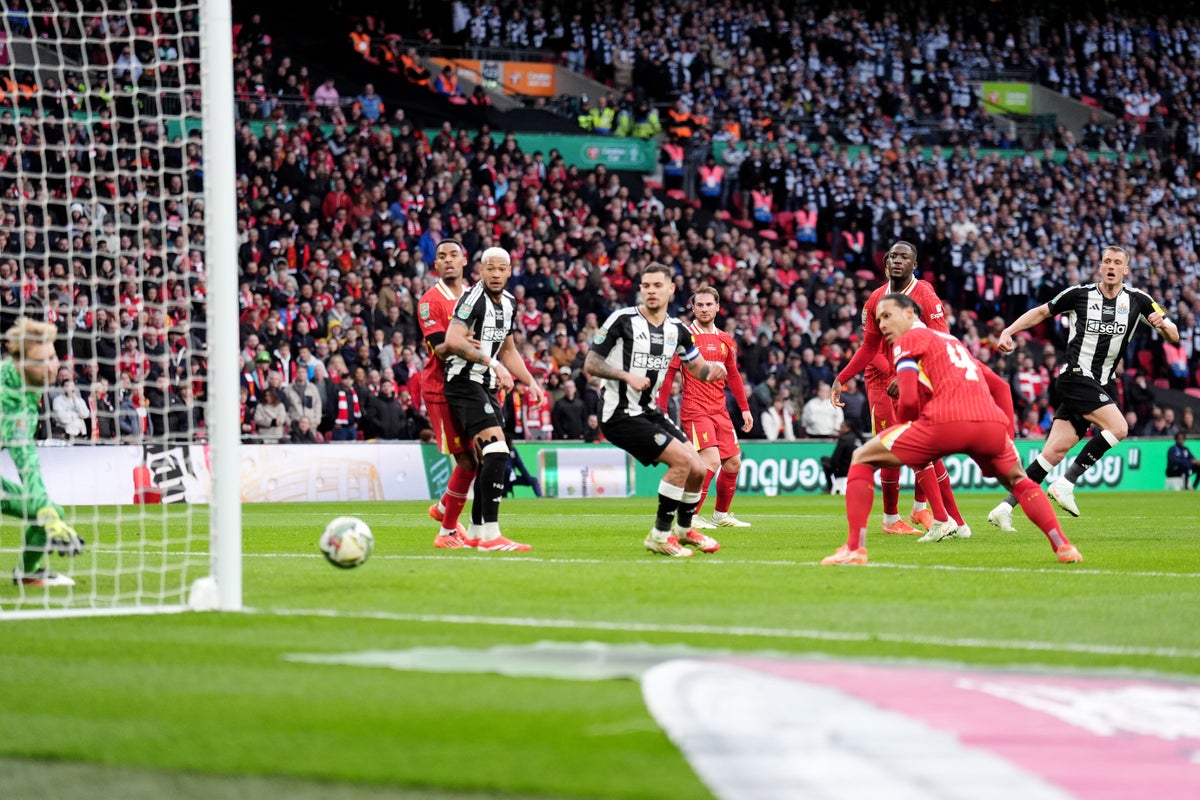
347,542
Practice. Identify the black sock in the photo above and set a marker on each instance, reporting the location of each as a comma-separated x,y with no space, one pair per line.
1096,447
687,510
491,482
667,506
1036,473
477,503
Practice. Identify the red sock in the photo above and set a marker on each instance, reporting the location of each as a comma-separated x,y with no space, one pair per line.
919,493
1037,507
947,492
928,486
726,486
455,496
889,478
860,494
708,476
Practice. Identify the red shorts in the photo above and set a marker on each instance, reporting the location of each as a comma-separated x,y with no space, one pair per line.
450,437
918,443
883,412
705,432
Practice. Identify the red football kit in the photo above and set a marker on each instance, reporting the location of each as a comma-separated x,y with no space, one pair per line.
871,358
958,414
435,310
702,412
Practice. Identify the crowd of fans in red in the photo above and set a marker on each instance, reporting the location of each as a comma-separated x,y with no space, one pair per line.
342,201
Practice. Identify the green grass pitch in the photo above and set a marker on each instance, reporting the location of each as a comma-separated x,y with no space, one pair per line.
206,705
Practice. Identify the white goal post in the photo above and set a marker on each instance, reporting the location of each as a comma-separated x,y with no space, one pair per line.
118,225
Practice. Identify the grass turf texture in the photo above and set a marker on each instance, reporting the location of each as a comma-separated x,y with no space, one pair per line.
168,702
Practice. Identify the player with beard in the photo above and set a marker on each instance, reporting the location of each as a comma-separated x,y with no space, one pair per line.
962,412
435,312
703,414
942,518
482,360
632,351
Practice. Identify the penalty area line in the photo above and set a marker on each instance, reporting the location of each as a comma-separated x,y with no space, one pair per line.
815,634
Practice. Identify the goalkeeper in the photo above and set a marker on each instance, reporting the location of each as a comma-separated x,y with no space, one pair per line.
24,376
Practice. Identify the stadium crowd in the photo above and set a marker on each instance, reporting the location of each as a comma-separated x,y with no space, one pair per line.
342,202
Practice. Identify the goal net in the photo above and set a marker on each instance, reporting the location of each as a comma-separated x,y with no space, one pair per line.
116,138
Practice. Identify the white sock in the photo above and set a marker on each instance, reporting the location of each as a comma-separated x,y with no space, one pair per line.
659,536
446,532
474,531
919,506
441,507
720,514
491,530
891,519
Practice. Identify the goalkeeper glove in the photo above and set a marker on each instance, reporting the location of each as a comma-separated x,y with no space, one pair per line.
63,539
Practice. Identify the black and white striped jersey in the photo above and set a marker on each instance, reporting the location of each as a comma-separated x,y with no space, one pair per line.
1098,329
490,321
629,342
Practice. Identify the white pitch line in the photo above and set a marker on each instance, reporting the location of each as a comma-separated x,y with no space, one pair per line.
725,562
973,643
655,563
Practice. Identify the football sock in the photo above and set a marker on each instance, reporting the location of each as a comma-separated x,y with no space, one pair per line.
708,476
889,478
455,498
947,492
860,494
1037,507
927,482
1036,472
918,496
686,510
669,496
477,504
492,470
726,487
1096,447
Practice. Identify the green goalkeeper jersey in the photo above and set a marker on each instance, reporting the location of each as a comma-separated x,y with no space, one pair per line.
18,424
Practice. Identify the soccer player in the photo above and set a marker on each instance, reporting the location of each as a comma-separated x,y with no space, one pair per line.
703,415
960,414
435,311
482,360
632,351
24,377
1101,318
933,482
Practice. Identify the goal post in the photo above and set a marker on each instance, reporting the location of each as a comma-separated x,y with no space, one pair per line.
118,226
225,517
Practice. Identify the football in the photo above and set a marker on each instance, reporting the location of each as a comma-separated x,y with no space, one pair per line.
347,542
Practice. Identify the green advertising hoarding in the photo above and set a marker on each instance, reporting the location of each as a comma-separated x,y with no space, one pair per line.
794,468
1007,96
586,152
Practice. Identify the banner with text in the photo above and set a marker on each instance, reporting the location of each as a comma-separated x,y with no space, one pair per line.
369,471
531,78
585,152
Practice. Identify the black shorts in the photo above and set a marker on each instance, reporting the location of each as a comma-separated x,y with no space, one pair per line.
644,437
475,407
1077,395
